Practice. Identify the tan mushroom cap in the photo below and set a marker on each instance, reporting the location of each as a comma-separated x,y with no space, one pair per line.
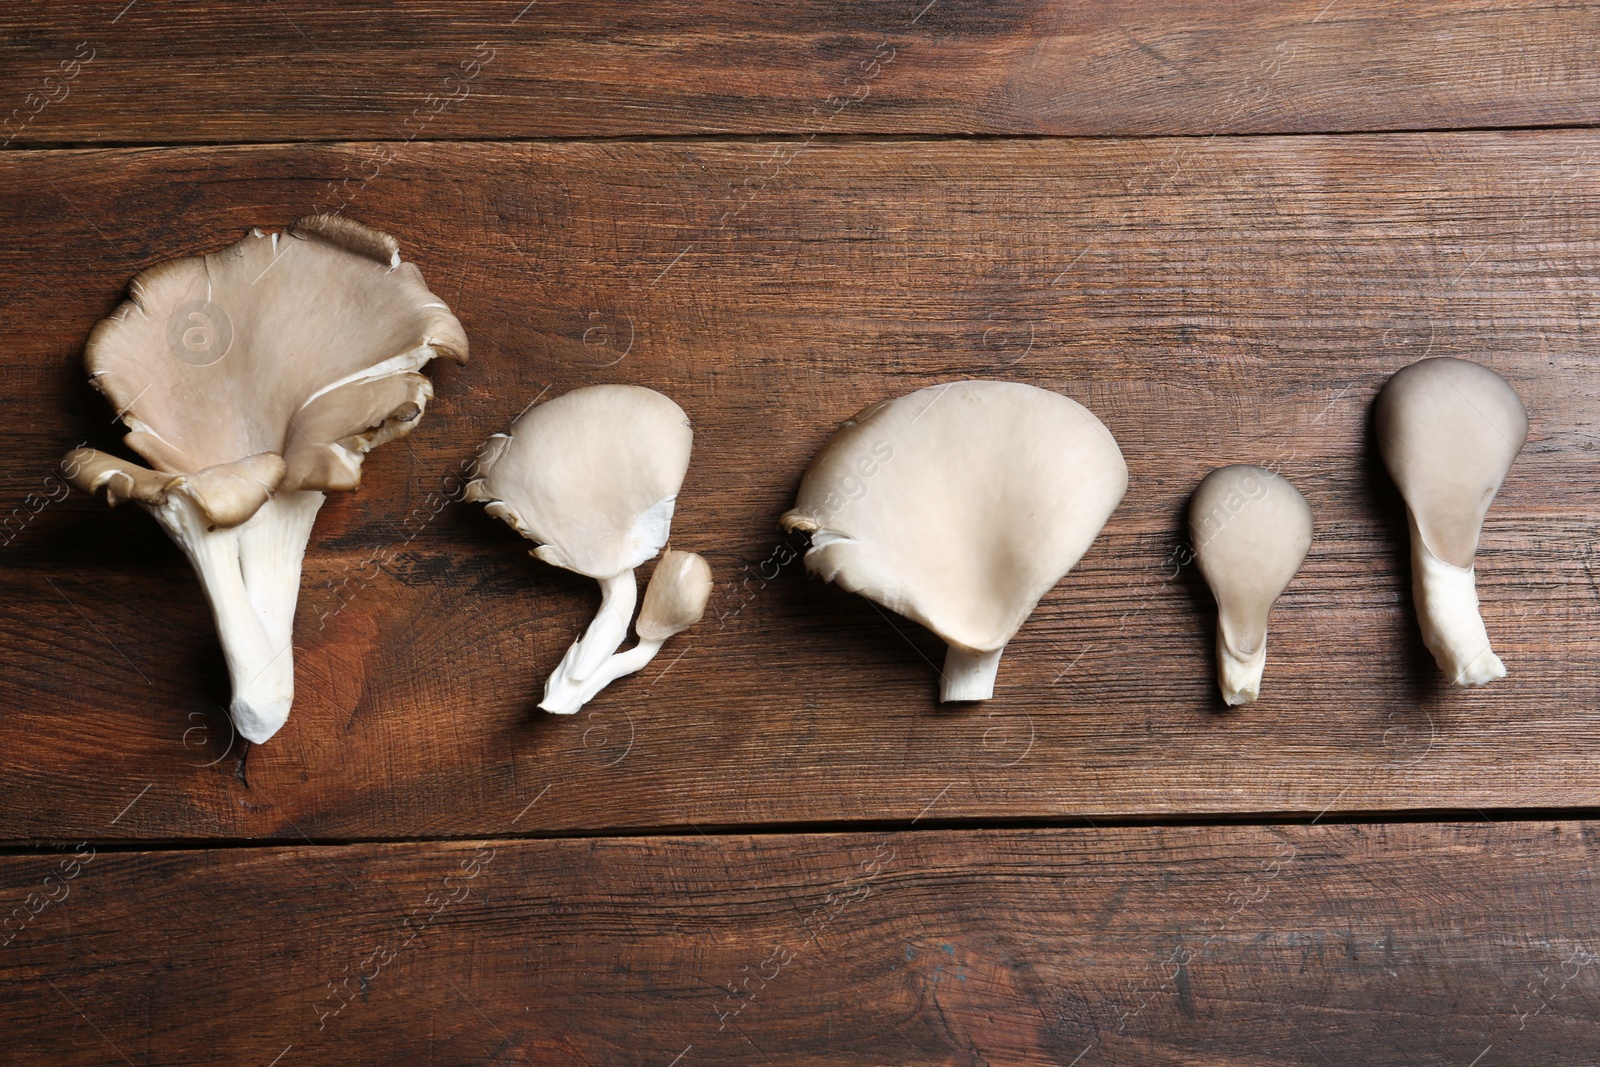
1448,430
226,495
592,476
960,505
1251,530
304,345
676,597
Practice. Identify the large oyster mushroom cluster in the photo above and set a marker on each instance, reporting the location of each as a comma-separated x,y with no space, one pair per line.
252,380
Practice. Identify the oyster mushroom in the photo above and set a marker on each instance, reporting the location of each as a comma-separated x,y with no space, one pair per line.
252,380
1448,430
674,600
959,506
1251,530
593,476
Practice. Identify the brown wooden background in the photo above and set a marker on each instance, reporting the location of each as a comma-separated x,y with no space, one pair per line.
1220,226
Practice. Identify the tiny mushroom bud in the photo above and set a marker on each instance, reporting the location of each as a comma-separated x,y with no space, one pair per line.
252,380
676,597
1251,530
1449,430
593,476
959,506
674,600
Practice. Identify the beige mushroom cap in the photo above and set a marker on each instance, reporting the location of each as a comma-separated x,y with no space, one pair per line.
304,345
1449,430
251,380
676,597
1251,530
226,495
592,476
960,505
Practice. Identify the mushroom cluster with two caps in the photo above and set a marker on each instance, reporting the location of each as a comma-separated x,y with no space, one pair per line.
593,477
959,506
252,381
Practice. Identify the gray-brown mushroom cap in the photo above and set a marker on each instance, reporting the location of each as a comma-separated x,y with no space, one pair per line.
1251,530
1449,430
305,345
676,597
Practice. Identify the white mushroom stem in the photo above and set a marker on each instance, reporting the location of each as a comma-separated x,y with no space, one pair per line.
968,675
251,577
618,665
1447,609
588,654
1239,673
272,547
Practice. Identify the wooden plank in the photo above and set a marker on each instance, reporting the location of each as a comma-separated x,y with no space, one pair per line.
1213,300
213,71
1450,944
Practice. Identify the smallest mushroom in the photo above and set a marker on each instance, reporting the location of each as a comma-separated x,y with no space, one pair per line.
1251,530
674,600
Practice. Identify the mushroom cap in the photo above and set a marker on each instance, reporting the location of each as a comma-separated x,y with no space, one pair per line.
676,597
1449,430
226,495
960,505
305,345
1251,530
592,476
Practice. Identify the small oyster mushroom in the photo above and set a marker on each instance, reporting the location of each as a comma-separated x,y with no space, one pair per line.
1251,530
1448,430
593,476
959,506
252,380
674,600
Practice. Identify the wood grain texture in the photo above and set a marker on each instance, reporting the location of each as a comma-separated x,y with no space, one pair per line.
1421,944
292,70
1212,300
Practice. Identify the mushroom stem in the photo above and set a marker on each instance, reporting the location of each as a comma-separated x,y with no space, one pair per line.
1239,672
1447,609
250,575
585,657
968,675
613,668
272,547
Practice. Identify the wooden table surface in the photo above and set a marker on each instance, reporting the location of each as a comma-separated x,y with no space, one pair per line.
1221,226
